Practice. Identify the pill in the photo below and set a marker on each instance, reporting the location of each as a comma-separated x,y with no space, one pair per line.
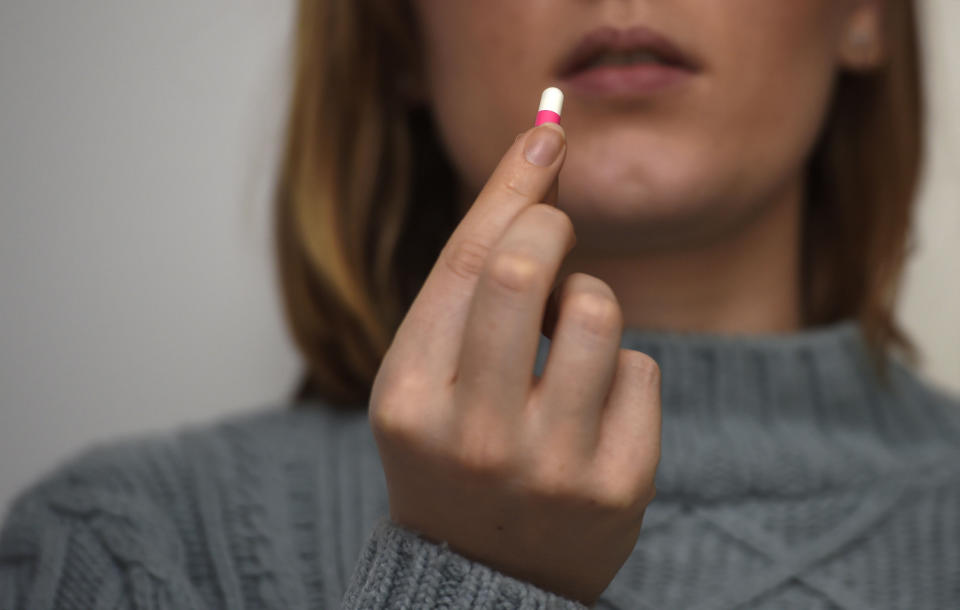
551,104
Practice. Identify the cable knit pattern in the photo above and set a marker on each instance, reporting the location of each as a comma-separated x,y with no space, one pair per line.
791,476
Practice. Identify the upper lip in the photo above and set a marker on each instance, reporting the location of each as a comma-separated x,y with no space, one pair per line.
610,39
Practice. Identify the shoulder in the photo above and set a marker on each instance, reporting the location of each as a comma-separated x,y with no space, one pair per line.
161,465
135,512
926,433
927,401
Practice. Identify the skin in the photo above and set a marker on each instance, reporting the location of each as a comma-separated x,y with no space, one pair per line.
679,210
707,176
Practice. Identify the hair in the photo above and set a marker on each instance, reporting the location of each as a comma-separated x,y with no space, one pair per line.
366,198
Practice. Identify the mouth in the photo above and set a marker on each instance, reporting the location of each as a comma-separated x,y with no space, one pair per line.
634,61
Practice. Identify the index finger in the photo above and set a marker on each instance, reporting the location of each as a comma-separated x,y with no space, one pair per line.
525,175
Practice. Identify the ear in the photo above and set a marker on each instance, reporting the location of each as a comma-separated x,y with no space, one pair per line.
861,44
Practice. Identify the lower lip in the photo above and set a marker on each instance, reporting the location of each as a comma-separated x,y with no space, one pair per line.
625,81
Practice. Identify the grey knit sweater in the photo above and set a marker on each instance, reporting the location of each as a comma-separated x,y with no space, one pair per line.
790,477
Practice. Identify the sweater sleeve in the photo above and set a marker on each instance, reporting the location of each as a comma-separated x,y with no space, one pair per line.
68,543
398,568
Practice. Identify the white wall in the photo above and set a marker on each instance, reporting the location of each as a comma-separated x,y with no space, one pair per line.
137,142
930,307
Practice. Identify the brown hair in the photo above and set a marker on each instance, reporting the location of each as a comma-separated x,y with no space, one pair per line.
366,198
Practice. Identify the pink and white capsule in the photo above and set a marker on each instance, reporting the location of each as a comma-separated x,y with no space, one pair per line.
551,104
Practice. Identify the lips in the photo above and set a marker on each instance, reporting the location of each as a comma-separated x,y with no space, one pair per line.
609,39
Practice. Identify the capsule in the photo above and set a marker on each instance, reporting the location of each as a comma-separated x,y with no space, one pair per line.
551,104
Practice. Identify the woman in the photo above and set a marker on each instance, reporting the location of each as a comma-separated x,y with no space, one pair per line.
727,202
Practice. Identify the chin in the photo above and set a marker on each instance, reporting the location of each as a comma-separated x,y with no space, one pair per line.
633,215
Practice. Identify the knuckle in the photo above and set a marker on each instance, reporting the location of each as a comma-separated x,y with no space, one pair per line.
596,312
623,496
515,187
515,271
467,257
655,457
550,213
644,367
483,454
484,462
408,385
388,421
390,413
556,482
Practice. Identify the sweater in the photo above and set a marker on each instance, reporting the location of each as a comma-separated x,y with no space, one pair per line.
791,476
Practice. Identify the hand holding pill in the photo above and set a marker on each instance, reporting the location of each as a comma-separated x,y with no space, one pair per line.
545,479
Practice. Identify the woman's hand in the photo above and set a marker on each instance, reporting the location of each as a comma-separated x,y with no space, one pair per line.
546,479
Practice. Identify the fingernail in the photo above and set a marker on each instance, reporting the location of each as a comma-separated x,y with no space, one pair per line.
544,145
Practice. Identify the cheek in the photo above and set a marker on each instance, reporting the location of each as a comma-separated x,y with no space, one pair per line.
740,128
773,80
730,138
483,80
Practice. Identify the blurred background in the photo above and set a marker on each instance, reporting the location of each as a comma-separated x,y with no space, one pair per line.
137,148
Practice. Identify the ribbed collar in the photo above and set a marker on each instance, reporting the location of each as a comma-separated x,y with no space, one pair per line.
783,414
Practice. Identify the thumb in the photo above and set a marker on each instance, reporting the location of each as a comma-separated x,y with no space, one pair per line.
553,192
551,105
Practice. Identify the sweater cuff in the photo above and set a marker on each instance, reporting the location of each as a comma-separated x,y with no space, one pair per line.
398,568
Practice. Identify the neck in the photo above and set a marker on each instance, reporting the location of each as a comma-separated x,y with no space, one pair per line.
746,282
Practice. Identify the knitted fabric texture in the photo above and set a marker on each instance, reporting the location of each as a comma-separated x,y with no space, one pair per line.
790,477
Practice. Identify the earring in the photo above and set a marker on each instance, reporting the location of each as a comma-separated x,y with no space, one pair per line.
861,43
861,38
